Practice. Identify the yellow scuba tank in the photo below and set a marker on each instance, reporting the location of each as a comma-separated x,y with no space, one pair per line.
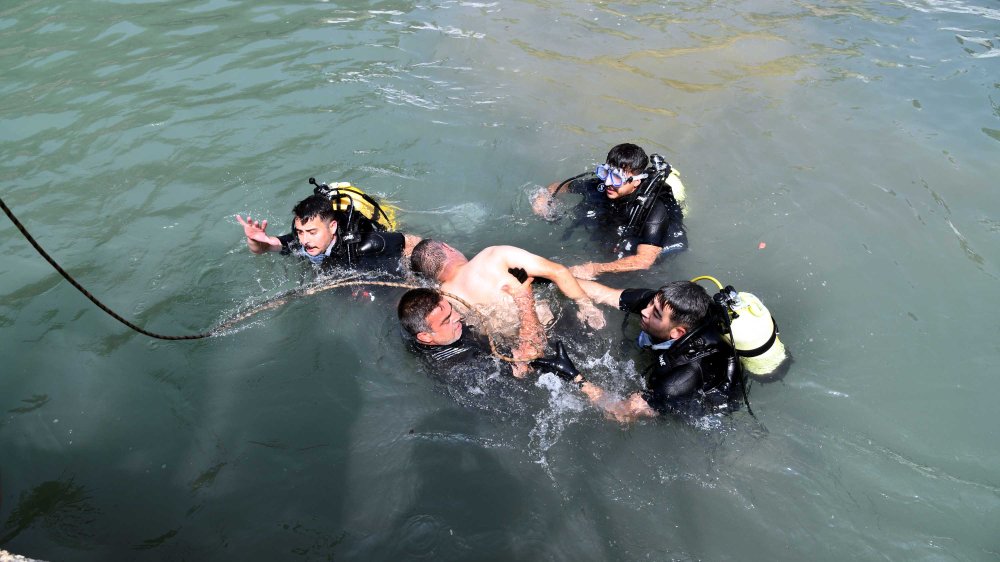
754,332
756,336
677,186
673,179
344,196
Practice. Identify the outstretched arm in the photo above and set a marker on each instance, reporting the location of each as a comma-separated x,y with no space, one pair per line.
257,238
644,258
626,410
537,266
602,294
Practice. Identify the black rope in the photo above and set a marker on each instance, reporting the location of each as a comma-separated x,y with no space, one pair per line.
85,292
240,317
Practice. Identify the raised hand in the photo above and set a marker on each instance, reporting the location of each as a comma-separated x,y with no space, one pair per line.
257,238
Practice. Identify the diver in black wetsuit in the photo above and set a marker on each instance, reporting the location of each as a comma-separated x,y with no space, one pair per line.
694,370
440,337
333,238
629,207
460,359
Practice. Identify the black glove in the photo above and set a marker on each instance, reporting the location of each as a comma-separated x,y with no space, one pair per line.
560,363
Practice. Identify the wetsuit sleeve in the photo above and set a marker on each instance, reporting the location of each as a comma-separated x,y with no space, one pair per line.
634,300
664,227
288,243
669,388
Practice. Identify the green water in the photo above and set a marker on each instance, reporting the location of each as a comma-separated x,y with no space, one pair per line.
858,140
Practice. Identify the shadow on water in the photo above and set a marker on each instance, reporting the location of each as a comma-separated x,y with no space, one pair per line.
61,507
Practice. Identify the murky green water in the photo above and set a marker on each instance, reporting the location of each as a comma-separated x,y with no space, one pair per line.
858,140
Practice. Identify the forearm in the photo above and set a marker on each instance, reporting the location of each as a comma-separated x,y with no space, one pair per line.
569,285
643,259
601,293
531,336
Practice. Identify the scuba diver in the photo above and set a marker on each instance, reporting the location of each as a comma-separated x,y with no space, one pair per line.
436,332
337,226
461,361
629,206
695,370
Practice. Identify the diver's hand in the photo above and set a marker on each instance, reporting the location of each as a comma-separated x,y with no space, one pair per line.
589,314
586,271
541,203
257,238
558,363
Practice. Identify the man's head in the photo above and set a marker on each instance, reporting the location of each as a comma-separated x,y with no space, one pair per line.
429,317
315,224
624,161
678,307
431,257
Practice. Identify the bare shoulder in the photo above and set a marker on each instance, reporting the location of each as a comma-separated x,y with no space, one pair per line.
498,254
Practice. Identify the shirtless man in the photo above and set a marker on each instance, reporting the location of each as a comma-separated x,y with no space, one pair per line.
481,280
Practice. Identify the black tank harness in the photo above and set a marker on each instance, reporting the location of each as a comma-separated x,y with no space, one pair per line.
641,204
359,234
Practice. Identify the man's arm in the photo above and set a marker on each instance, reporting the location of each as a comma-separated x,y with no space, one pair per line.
630,409
602,294
537,266
627,410
644,258
531,335
257,238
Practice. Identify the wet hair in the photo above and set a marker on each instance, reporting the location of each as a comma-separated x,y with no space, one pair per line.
316,206
414,307
689,302
428,257
629,157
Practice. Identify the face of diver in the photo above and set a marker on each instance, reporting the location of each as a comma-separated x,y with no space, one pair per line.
315,234
624,189
657,322
445,325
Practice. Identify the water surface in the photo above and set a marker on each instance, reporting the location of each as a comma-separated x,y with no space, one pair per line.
857,140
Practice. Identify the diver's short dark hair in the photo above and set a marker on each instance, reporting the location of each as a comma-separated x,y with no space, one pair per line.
689,302
413,308
315,206
629,157
428,257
